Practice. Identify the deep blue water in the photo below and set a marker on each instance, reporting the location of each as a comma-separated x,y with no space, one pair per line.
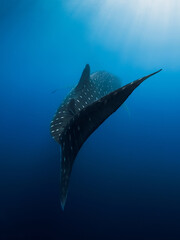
125,183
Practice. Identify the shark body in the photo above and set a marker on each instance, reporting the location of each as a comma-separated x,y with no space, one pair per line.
86,107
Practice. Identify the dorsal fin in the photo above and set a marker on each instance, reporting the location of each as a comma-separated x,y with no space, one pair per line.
84,77
84,123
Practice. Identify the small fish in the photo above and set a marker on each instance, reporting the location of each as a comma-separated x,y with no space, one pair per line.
62,88
85,108
54,91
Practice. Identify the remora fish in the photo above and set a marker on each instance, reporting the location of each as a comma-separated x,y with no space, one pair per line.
86,107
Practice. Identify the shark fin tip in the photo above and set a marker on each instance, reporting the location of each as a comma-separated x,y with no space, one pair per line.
63,202
62,205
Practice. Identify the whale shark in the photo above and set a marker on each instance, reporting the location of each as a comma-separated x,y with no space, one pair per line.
84,109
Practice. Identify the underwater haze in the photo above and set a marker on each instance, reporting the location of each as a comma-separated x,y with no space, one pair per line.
125,182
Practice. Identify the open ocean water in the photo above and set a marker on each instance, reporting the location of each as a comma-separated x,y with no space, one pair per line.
125,182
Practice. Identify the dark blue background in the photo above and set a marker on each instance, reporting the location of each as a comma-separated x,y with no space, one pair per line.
125,182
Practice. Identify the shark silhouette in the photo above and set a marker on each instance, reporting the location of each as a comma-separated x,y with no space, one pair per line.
86,107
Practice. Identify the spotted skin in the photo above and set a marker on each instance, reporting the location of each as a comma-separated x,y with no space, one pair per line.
91,89
90,103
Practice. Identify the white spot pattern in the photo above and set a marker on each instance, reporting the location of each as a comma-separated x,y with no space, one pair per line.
100,84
